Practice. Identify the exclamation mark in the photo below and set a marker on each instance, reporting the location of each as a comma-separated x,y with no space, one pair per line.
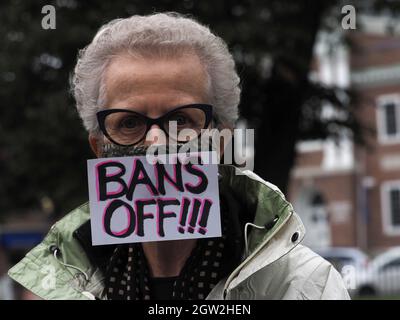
204,216
194,215
183,215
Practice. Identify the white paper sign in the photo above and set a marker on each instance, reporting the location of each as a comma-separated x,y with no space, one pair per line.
138,199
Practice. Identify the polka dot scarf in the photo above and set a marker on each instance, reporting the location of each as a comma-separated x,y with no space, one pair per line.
212,259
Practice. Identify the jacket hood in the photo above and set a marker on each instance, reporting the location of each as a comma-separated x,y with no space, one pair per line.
65,265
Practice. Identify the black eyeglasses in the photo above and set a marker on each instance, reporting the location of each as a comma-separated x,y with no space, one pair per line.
127,128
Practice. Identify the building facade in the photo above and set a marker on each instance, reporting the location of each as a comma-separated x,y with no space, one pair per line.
349,195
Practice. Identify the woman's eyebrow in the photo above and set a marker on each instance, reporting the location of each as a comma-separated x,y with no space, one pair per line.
145,110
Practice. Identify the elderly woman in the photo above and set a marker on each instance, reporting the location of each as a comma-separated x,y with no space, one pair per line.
137,75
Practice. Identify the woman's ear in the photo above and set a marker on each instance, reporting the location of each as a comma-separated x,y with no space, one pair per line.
94,144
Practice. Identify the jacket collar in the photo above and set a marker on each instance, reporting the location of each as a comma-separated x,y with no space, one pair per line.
276,245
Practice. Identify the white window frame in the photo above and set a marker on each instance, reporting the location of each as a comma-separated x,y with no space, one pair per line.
388,228
382,100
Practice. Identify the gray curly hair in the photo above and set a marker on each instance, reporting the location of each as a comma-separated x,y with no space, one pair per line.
163,34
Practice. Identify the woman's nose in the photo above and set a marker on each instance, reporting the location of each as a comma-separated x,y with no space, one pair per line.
155,136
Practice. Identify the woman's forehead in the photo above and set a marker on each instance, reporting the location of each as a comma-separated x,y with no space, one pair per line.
128,79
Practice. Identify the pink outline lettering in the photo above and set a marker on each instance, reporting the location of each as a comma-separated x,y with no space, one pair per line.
166,212
97,178
120,232
194,186
191,213
174,178
140,177
180,227
204,229
147,214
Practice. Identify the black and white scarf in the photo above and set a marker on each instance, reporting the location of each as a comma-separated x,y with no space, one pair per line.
211,260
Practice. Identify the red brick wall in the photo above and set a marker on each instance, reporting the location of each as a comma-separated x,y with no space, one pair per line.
334,188
376,237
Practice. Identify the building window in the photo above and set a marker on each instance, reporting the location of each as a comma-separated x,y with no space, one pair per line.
391,207
388,117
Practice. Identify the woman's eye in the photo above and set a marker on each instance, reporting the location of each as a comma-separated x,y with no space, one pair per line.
129,123
180,119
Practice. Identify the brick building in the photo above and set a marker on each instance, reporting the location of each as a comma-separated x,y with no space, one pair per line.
347,195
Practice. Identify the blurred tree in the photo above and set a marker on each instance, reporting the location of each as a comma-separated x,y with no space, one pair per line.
43,147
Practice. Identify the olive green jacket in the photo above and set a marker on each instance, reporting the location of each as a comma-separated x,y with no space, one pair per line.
65,265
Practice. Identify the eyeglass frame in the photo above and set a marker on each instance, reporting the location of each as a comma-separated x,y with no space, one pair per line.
102,114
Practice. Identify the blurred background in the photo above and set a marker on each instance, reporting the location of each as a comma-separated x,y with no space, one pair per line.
320,85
